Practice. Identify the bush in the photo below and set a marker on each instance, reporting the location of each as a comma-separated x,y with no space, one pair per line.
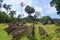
46,20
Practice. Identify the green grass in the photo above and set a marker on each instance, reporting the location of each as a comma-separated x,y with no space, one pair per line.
49,28
3,33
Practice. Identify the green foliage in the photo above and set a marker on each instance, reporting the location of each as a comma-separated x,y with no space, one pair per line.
29,9
7,7
56,3
57,21
1,1
46,18
12,13
5,18
3,33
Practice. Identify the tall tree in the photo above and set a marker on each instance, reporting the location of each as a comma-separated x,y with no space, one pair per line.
56,3
29,10
12,13
4,17
7,7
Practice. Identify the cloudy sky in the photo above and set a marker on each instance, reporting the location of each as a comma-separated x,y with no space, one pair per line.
39,5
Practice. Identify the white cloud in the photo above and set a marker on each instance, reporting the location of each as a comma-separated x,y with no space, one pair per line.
4,10
39,9
27,2
24,14
50,10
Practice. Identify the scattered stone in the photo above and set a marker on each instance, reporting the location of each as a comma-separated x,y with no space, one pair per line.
42,31
20,24
18,31
10,28
57,23
31,33
58,30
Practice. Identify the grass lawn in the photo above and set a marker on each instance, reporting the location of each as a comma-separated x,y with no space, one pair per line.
50,29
